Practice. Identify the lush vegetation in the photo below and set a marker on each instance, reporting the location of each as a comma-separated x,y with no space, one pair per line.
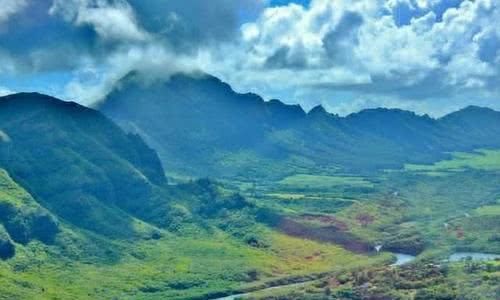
480,160
86,211
421,281
412,212
307,181
201,127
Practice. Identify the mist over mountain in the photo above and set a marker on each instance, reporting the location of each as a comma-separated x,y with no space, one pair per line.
201,127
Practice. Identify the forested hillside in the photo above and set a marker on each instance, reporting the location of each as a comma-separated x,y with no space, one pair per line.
201,127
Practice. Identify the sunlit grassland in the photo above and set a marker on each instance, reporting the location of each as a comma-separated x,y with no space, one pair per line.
489,210
308,181
307,202
487,160
456,212
304,255
171,268
395,207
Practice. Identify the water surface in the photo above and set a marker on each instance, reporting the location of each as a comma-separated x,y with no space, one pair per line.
402,259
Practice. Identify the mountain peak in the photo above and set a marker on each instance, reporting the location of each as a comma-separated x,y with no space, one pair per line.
318,110
472,112
475,109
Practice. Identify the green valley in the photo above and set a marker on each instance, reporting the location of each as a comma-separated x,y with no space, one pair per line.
87,211
249,150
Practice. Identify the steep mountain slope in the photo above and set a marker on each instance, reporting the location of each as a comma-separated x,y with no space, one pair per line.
474,126
197,120
86,213
22,219
201,127
21,216
76,162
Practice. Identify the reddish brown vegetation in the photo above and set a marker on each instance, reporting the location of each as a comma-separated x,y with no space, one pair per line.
365,219
323,234
329,220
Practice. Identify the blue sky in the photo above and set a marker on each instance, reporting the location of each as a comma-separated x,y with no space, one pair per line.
430,56
285,2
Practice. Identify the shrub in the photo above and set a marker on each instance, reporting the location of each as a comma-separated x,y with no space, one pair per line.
7,248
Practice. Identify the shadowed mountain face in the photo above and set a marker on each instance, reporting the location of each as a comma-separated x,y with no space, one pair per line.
201,127
74,160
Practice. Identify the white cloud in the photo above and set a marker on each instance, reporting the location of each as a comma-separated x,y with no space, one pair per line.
114,21
151,61
356,46
330,52
5,91
10,7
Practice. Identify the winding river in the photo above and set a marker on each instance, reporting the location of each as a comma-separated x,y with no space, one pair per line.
401,259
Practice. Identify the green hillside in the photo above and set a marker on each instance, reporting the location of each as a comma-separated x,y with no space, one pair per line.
86,213
201,127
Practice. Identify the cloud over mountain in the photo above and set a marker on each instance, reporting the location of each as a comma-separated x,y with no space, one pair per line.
364,49
427,55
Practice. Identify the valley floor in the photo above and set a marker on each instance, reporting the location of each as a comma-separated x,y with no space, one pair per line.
320,229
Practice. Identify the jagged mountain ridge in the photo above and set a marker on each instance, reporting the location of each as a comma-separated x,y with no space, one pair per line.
201,127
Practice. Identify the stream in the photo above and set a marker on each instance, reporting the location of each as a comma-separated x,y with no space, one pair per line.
402,259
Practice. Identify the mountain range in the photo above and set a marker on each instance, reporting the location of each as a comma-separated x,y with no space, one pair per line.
201,127
88,197
77,167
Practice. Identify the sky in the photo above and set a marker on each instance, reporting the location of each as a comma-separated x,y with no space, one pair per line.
428,56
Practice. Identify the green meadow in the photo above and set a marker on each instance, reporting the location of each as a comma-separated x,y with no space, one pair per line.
487,160
309,181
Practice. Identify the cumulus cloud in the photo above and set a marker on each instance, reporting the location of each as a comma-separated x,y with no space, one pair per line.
92,43
186,25
111,20
359,49
151,61
345,54
10,7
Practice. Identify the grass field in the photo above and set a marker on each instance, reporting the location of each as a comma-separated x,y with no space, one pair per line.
170,268
488,210
486,160
308,181
407,212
